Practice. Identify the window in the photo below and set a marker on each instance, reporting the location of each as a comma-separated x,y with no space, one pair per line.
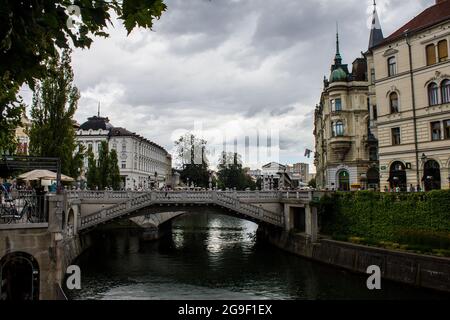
443,50
336,105
124,165
431,54
375,112
447,129
396,136
445,87
433,94
372,76
393,100
124,147
392,66
435,131
339,129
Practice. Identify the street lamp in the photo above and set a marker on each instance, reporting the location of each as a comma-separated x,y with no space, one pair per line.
210,179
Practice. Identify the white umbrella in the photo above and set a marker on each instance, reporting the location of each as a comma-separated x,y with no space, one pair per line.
43,175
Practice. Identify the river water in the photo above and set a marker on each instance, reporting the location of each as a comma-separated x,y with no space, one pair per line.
216,257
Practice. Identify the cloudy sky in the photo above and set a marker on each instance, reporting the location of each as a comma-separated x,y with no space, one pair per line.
228,68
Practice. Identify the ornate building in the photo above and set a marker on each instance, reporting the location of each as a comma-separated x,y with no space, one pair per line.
345,146
142,163
21,134
411,72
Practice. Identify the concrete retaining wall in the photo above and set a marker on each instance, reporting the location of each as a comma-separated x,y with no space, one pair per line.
413,269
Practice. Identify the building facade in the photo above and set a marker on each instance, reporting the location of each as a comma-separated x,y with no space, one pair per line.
21,134
142,163
412,88
345,157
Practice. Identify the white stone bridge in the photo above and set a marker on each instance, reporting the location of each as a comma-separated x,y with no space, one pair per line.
48,245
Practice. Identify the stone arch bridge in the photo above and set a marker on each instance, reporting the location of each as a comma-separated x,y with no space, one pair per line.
50,245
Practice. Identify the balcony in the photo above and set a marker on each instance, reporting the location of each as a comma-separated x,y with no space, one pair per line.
341,146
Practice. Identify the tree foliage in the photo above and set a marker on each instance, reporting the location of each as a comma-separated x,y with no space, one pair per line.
55,101
32,32
11,108
92,173
191,154
114,171
105,172
231,174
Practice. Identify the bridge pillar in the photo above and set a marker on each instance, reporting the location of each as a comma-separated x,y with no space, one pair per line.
311,222
288,218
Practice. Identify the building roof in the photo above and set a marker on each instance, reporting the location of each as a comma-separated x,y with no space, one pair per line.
122,132
427,18
376,33
102,123
96,123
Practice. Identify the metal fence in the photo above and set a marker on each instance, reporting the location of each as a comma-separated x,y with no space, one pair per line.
23,207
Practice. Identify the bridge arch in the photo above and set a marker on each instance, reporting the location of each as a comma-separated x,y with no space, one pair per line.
146,204
19,277
157,215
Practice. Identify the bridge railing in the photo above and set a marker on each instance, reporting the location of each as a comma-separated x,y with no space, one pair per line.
228,200
24,207
102,195
296,195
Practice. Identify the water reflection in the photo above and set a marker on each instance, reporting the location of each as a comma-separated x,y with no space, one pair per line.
215,257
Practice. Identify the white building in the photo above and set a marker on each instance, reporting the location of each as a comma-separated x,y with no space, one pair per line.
142,163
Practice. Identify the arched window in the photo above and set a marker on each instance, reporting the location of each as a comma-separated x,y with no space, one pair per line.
433,94
392,66
445,88
431,54
339,129
393,101
443,50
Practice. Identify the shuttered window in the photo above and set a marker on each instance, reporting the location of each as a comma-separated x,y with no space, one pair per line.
443,50
431,54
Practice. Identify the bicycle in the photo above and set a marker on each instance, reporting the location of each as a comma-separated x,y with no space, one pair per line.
10,213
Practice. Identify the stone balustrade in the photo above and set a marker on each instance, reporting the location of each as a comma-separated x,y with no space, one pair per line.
137,201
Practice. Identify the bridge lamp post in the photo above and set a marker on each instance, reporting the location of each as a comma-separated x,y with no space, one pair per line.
210,180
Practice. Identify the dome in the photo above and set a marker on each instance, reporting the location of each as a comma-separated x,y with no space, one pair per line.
96,123
338,75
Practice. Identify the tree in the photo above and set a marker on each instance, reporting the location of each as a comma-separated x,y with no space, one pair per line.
191,152
105,172
104,177
33,31
114,170
55,101
312,183
92,173
11,108
231,174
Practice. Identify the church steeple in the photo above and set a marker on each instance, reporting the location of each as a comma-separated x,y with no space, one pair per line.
338,58
339,71
376,33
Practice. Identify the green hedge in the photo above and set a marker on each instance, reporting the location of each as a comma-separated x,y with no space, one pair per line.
417,219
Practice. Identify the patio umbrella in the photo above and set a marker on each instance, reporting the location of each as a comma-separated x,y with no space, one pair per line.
43,175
